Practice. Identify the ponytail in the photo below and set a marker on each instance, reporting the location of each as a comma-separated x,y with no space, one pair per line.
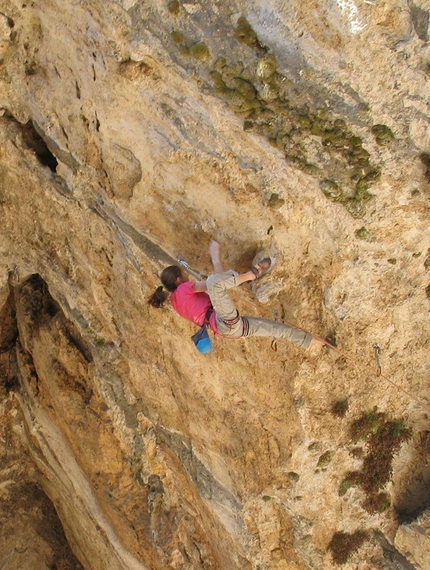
169,279
158,298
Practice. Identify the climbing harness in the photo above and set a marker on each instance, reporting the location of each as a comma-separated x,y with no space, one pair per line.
231,322
208,315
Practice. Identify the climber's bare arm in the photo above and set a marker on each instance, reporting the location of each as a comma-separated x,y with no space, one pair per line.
214,253
200,286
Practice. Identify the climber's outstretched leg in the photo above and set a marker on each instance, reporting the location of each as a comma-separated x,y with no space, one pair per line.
228,320
254,326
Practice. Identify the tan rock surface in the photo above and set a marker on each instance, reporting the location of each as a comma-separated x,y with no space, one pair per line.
304,131
413,540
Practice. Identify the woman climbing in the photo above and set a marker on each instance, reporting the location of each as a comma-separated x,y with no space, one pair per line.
207,303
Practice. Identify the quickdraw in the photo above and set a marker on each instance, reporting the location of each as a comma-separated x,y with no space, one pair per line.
377,350
188,267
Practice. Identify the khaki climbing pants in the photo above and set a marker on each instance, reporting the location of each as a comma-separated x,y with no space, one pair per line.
225,310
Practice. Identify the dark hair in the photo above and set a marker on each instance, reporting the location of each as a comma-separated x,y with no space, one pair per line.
168,278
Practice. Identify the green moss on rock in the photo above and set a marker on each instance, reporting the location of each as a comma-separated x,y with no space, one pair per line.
340,124
361,191
364,234
218,82
177,37
200,51
220,63
369,178
425,159
383,439
368,423
335,137
275,201
304,121
317,127
339,408
232,70
245,88
174,7
302,165
282,140
382,134
356,208
325,459
185,51
357,452
343,163
351,480
241,105
266,68
331,190
378,503
245,33
343,545
382,445
270,92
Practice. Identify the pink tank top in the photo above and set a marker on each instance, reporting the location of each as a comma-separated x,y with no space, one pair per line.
192,305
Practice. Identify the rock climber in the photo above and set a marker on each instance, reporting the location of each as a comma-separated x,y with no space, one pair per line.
206,303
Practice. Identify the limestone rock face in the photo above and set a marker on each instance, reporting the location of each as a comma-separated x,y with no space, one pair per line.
413,539
132,132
